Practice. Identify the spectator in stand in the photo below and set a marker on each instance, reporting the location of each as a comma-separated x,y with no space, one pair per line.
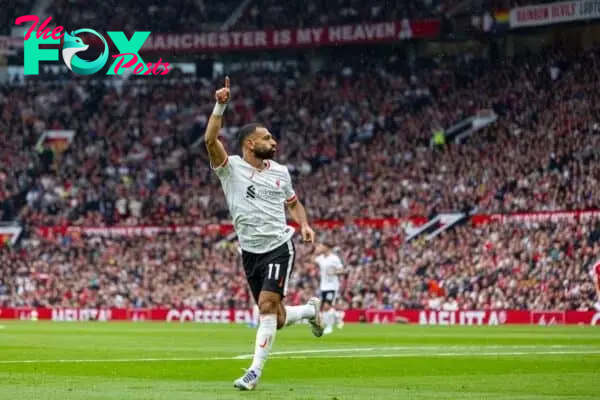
129,16
12,9
527,266
132,160
270,14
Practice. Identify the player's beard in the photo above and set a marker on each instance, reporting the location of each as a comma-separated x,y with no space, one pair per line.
264,154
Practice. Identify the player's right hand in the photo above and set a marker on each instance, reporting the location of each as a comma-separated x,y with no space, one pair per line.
308,235
223,94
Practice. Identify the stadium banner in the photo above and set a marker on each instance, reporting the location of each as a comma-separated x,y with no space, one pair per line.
244,316
536,217
293,38
223,229
132,231
58,140
365,33
554,13
9,234
474,317
410,224
123,314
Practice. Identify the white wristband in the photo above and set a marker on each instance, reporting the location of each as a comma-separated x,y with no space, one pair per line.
219,109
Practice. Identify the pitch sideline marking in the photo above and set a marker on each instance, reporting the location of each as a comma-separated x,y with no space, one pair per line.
299,355
402,348
464,354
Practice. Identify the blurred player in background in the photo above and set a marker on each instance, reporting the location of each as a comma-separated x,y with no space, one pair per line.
595,273
331,267
257,191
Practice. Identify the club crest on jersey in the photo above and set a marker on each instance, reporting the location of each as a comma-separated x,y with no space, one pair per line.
277,183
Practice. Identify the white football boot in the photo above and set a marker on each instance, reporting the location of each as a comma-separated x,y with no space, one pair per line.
248,381
316,321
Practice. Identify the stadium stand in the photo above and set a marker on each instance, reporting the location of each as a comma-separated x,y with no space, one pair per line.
12,9
270,14
527,266
190,16
137,138
358,142
155,16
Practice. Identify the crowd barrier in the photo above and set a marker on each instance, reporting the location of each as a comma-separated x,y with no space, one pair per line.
226,316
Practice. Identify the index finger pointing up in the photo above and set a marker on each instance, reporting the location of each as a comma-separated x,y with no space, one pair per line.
227,82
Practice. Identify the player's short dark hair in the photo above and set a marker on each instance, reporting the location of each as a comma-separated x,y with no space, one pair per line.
246,131
327,244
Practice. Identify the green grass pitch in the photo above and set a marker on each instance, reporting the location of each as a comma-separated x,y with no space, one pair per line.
123,361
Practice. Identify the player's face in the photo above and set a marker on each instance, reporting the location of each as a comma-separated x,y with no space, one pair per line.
322,249
263,144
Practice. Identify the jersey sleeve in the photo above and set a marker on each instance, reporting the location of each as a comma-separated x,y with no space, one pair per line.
288,188
337,262
224,170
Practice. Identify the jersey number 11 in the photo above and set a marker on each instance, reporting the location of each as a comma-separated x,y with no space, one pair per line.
273,271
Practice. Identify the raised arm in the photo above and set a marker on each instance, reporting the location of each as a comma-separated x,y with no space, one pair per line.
216,151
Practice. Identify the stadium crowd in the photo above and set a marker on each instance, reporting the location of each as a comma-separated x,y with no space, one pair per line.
155,16
358,143
537,266
271,14
11,9
138,157
191,16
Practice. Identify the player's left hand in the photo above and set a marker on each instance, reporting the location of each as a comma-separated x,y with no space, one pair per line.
222,95
308,235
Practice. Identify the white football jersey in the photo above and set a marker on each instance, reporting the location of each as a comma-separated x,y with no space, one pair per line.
328,264
595,272
256,201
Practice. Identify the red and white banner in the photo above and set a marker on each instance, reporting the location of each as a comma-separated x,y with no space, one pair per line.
293,38
498,317
225,229
365,33
222,316
541,216
58,140
128,231
554,13
123,314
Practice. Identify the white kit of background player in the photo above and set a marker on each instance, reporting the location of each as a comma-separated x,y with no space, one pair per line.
330,268
257,191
